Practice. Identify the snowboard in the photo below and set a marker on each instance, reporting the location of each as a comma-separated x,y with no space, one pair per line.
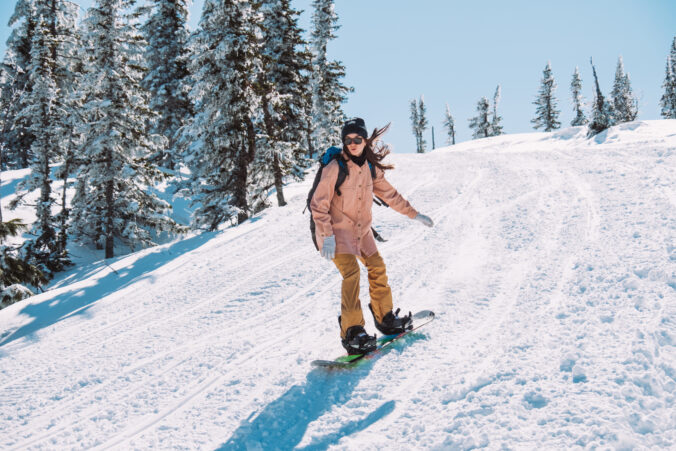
346,361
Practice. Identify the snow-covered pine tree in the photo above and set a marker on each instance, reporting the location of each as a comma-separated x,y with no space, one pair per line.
422,124
415,123
480,124
45,107
449,123
328,93
546,114
16,84
578,100
15,272
72,138
114,200
602,117
168,79
225,65
283,90
496,128
625,105
9,98
668,100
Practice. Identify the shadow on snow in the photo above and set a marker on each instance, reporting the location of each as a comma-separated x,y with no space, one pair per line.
283,422
78,300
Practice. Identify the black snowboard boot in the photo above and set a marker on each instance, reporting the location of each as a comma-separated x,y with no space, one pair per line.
357,341
392,323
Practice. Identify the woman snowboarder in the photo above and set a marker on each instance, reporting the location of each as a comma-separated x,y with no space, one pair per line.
343,232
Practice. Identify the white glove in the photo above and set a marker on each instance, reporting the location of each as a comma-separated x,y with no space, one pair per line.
329,248
426,220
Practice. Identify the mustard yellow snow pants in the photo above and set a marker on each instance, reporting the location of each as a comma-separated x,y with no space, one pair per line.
379,290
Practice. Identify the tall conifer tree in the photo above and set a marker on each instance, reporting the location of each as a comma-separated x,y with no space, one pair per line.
546,113
480,124
328,92
578,100
601,111
625,105
668,100
16,84
45,107
167,78
222,136
422,124
282,85
449,123
496,127
415,123
113,201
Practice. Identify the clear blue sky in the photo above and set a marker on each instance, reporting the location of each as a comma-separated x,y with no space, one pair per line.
456,52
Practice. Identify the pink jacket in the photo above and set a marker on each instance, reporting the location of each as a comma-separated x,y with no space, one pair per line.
348,216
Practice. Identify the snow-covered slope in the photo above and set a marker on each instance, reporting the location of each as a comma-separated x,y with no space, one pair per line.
552,269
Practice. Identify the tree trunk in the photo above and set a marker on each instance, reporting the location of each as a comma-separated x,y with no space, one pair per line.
242,171
63,232
110,238
278,182
2,145
109,232
276,169
310,147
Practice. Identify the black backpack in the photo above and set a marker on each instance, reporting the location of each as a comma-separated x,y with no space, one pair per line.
333,153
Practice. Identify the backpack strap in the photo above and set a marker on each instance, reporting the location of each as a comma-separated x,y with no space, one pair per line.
342,174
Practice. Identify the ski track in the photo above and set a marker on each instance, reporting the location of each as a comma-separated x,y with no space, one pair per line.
551,267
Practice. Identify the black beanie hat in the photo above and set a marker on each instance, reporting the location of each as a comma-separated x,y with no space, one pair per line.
354,125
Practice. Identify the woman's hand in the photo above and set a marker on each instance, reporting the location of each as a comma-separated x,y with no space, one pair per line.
329,248
426,220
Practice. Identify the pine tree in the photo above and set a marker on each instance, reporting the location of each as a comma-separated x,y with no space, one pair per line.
546,114
15,272
17,84
283,91
415,123
578,100
328,93
480,123
449,123
226,64
44,107
625,105
601,110
422,124
668,100
72,137
168,79
496,128
113,200
9,96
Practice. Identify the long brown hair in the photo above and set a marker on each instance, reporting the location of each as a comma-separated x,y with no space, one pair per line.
375,150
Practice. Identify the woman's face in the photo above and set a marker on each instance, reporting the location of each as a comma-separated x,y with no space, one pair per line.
352,147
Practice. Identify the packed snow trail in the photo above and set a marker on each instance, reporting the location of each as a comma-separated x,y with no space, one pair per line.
551,268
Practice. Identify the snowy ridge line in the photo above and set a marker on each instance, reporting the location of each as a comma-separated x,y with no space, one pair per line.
205,340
